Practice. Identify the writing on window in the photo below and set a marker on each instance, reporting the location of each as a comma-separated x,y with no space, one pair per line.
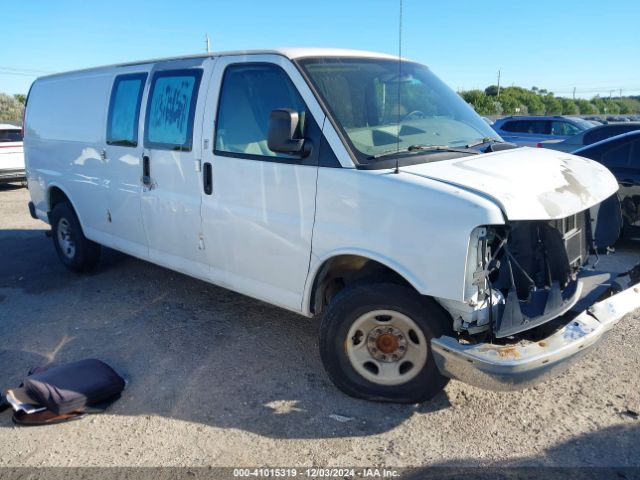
170,110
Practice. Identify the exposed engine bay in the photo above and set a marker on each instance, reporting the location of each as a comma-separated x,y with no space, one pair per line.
526,273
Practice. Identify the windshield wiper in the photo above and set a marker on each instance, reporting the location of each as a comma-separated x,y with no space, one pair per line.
420,148
484,140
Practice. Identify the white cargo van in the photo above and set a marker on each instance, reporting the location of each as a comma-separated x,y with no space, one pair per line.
344,184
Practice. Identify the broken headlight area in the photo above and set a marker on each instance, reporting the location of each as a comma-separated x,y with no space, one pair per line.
526,273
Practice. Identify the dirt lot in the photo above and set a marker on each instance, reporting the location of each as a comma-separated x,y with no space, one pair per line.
220,379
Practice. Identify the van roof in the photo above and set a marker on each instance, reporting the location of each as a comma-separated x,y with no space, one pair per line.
291,53
8,126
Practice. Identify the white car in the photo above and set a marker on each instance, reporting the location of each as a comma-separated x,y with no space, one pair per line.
11,154
348,185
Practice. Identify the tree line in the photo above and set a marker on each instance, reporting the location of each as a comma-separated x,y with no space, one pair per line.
508,101
536,101
11,107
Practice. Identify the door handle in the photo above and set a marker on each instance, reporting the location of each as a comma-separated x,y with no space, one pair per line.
146,170
207,178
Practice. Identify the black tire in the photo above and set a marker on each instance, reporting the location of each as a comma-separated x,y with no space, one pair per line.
357,300
81,254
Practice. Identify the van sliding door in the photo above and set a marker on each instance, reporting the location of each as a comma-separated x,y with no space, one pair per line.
123,152
170,172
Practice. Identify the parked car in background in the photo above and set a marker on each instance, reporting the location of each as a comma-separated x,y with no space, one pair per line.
531,130
588,137
597,120
621,155
617,119
11,154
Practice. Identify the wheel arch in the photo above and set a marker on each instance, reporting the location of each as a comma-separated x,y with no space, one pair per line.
56,194
335,271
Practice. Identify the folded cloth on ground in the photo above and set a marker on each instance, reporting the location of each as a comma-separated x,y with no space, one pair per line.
74,386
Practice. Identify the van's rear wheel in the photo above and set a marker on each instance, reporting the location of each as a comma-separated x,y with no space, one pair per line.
375,343
75,251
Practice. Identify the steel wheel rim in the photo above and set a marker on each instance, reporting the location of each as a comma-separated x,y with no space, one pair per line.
65,242
370,347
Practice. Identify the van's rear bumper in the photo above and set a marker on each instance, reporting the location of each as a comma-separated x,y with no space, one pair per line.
512,367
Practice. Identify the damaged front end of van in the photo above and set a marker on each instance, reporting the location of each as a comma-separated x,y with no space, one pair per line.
535,299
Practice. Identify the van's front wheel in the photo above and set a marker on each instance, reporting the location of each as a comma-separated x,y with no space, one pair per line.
75,251
375,343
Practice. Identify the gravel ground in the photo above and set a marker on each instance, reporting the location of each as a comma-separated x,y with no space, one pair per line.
218,379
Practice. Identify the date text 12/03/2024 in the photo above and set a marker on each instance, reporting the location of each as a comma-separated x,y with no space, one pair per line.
316,472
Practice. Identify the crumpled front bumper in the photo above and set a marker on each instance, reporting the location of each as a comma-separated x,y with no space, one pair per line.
516,366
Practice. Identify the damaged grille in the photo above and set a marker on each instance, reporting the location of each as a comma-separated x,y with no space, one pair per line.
536,270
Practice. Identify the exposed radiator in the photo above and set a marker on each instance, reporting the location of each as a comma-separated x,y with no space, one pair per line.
573,233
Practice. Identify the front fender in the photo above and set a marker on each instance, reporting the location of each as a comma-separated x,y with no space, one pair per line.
318,262
418,227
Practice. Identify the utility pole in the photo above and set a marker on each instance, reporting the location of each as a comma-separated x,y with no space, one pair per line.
610,93
574,93
620,93
207,44
498,83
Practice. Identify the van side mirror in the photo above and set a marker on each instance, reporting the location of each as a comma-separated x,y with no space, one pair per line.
283,125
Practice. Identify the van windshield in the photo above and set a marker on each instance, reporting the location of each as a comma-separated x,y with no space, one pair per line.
383,107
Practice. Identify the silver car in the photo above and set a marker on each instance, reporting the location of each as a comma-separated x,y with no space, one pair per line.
530,130
588,137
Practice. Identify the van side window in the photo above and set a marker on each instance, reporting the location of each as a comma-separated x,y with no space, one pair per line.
124,109
171,108
249,93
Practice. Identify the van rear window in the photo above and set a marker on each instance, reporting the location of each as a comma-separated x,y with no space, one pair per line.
170,109
124,109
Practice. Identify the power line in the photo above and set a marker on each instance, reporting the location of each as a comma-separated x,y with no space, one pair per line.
19,74
23,70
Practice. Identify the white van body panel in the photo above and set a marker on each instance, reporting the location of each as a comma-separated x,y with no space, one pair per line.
257,225
64,142
265,231
68,151
556,185
125,230
420,228
175,195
